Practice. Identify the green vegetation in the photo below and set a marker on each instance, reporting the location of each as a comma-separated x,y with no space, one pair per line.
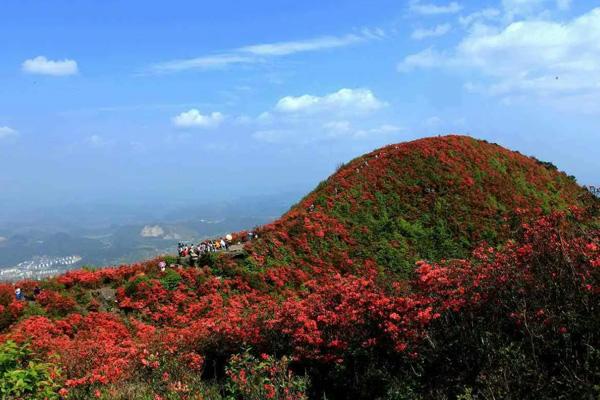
22,376
170,280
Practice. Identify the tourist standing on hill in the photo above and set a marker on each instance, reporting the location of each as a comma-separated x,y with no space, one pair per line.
18,294
193,256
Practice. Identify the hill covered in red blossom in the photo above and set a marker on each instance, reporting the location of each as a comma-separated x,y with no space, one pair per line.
441,268
431,199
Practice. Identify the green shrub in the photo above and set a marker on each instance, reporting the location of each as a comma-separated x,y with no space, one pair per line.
32,309
171,279
22,377
251,378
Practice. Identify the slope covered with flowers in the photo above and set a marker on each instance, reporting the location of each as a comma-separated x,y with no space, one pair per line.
432,199
441,268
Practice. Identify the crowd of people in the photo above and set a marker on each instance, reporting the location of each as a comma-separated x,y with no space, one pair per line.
193,252
207,246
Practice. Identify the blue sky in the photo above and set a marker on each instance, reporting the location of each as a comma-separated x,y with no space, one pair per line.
184,101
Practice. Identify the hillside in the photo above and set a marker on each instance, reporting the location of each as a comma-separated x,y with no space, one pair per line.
430,199
441,268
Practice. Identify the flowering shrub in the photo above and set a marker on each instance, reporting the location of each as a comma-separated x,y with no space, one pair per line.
56,304
528,308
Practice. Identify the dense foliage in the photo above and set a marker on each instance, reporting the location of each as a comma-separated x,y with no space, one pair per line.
441,268
431,199
21,376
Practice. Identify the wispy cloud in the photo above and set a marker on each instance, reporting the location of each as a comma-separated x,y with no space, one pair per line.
417,7
315,44
257,53
438,30
427,58
205,62
479,16
42,66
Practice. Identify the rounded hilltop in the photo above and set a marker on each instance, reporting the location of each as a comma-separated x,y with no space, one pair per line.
431,198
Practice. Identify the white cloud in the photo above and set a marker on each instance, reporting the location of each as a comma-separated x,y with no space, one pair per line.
438,30
42,66
427,58
417,7
193,118
299,103
346,114
344,100
257,53
533,57
6,132
534,53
